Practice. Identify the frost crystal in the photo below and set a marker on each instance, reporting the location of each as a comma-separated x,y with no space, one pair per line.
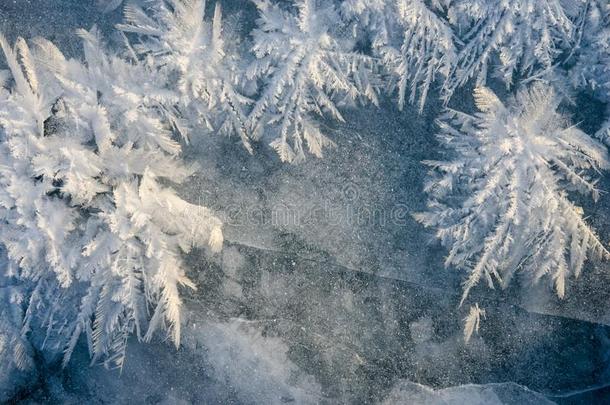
502,205
305,68
89,220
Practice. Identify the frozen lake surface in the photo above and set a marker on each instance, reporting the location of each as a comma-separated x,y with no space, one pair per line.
327,290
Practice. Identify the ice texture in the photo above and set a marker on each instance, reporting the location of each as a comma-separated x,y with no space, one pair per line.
17,368
489,394
327,291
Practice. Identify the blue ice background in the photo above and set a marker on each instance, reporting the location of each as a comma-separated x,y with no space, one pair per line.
327,312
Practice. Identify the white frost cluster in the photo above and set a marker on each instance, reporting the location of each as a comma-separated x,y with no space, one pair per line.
502,205
412,39
88,218
197,68
461,40
304,68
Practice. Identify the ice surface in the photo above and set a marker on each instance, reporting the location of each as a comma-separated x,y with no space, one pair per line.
16,363
489,394
220,362
327,291
256,367
55,20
